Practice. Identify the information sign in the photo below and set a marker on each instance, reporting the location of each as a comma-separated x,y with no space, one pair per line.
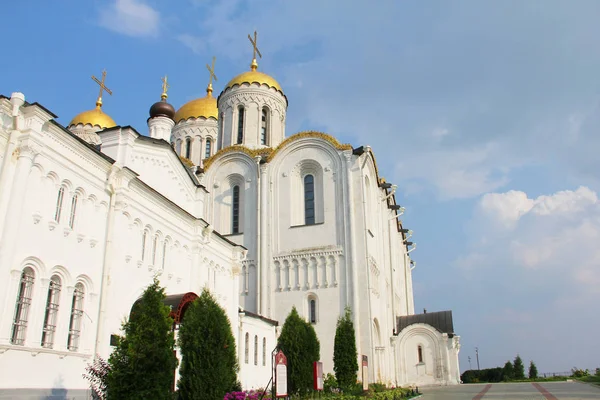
318,375
280,374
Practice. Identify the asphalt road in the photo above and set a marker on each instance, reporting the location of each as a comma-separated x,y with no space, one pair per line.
514,391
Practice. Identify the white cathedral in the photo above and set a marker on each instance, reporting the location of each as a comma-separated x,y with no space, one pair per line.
213,195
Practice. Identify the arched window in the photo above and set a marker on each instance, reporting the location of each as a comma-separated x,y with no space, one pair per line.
76,314
144,238
73,211
235,210
188,148
247,346
59,203
264,351
22,306
208,148
309,200
154,247
264,126
164,254
255,349
51,311
420,353
312,317
240,133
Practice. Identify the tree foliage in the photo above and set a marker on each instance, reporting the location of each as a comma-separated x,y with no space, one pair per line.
508,372
142,366
518,368
345,356
533,372
96,374
298,341
209,359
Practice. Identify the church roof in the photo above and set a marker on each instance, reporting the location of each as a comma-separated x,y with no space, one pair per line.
440,320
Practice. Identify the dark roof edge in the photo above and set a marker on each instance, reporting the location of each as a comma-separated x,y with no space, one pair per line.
253,315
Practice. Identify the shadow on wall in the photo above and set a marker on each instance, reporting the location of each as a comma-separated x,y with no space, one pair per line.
58,392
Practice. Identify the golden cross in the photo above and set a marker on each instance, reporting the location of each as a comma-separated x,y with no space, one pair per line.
254,46
102,87
165,87
211,71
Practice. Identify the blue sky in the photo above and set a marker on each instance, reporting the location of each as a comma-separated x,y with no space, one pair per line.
486,114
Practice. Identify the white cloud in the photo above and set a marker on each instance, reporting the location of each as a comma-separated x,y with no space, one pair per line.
194,43
132,18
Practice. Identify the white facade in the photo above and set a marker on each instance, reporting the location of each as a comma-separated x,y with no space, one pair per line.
266,223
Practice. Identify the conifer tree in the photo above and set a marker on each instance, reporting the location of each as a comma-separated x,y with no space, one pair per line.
518,368
345,356
508,372
142,366
209,360
299,342
533,372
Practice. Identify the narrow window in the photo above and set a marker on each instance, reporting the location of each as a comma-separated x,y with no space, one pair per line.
208,146
420,351
264,351
255,350
154,246
309,200
221,130
247,342
76,314
313,311
144,237
59,201
73,211
164,254
51,311
22,306
235,216
240,135
188,148
264,120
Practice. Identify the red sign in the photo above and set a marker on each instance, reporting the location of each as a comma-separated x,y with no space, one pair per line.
280,374
318,375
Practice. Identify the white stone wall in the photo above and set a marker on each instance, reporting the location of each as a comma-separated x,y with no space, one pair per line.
198,131
255,372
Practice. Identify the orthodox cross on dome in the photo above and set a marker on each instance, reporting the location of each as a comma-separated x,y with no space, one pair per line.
254,64
102,88
165,87
211,71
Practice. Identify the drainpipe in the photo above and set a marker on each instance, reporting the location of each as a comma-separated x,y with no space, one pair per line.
107,257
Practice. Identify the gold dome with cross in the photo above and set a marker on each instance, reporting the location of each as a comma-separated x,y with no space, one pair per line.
96,117
254,76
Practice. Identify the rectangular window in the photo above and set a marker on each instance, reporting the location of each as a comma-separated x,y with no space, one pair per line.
73,212
255,350
235,216
75,322
22,307
59,201
240,135
309,200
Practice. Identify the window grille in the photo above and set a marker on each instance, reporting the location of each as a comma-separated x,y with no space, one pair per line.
208,148
264,351
247,345
309,200
22,306
59,201
51,311
73,211
264,121
154,246
164,254
240,135
144,237
76,316
255,350
235,216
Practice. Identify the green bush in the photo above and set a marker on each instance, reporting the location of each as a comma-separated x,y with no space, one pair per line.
533,372
518,368
142,366
345,356
209,358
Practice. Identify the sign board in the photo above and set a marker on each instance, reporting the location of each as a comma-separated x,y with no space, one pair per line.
318,375
365,372
280,374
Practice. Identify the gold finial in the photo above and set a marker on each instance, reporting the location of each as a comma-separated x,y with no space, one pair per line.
254,64
211,71
102,88
165,87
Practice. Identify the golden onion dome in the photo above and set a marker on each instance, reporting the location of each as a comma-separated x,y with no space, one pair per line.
254,77
203,107
94,117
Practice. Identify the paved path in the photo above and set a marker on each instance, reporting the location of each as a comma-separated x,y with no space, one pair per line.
514,391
